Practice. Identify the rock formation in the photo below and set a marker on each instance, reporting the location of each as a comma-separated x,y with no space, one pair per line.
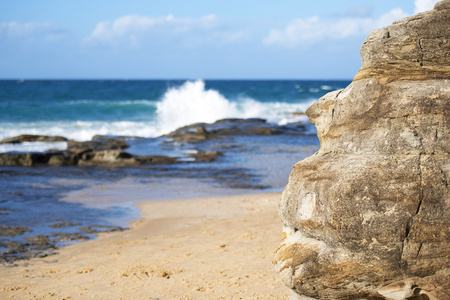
368,216
108,151
32,138
101,151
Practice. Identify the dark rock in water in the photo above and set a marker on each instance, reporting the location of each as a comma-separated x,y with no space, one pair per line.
111,158
63,158
155,160
5,211
38,239
38,246
368,216
189,134
15,248
24,159
208,156
197,133
241,127
64,224
112,138
32,138
241,121
100,144
108,151
13,231
105,158
65,237
101,229
265,131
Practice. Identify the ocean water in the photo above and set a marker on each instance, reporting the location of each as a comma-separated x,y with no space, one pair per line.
80,109
37,197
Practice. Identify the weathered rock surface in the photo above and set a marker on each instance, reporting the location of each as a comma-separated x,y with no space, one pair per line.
97,143
101,229
104,158
43,245
13,231
101,151
32,138
201,132
368,216
63,224
413,48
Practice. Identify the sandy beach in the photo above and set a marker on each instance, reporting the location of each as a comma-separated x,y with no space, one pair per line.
206,248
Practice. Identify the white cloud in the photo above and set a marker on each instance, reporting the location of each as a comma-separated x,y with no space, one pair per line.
315,29
356,22
30,32
424,5
389,17
136,29
15,29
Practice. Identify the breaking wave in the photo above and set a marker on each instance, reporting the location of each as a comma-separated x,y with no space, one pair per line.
192,103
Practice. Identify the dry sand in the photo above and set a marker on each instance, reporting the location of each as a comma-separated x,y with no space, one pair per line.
209,248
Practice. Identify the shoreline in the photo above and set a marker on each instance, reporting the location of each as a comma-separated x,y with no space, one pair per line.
178,249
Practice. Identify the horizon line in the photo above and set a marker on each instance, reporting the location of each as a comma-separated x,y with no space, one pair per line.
177,79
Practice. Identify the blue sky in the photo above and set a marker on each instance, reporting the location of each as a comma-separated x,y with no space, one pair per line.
145,39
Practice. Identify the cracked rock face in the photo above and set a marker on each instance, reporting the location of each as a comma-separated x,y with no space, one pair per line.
368,216
413,48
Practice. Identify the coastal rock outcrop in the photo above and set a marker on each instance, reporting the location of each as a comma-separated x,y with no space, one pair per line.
201,132
109,151
84,154
32,138
368,215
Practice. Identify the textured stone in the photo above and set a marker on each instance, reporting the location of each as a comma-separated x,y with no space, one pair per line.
412,48
32,138
368,216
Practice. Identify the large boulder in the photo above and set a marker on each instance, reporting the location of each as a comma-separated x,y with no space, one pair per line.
368,216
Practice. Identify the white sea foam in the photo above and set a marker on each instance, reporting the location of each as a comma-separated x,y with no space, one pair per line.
79,130
144,102
191,103
33,147
326,87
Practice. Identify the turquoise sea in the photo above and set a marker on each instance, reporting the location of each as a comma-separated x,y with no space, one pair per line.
37,198
80,109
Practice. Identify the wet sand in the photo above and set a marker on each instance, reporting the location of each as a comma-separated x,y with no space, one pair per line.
206,248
